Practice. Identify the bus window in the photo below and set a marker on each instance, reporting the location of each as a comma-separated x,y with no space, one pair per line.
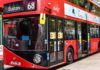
25,34
11,31
94,31
69,30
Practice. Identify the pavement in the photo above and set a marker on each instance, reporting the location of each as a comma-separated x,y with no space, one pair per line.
88,63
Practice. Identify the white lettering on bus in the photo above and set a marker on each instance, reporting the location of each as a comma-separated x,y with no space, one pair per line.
13,8
56,9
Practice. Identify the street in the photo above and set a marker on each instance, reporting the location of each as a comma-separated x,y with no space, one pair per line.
89,63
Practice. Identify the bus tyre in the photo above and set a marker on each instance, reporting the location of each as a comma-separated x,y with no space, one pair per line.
70,55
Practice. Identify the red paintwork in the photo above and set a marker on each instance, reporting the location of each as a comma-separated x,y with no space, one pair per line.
94,44
10,56
20,14
1,3
74,44
7,26
9,1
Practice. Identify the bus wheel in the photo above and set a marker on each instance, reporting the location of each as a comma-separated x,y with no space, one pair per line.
70,55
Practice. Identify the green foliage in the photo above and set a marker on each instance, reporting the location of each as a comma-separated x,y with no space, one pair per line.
97,11
87,5
81,2
76,2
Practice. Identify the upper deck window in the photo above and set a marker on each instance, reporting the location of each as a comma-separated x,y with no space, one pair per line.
69,30
87,5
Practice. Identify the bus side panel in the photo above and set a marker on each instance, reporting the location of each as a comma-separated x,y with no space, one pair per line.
1,3
94,45
72,43
12,59
53,7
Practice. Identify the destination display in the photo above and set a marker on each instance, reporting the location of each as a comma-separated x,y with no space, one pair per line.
20,6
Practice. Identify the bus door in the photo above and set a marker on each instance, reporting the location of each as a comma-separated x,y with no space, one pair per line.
83,34
88,39
56,42
79,37
85,39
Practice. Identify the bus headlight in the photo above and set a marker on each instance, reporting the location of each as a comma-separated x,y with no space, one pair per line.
37,58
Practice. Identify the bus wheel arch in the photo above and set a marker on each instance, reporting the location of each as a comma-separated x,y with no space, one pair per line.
70,54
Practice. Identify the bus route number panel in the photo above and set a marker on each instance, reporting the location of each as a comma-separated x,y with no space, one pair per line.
20,6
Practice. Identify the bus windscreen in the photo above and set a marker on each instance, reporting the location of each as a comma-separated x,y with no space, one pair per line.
22,34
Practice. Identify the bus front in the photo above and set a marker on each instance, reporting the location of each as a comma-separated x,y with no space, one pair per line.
25,39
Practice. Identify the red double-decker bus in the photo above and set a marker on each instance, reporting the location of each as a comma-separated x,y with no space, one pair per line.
42,34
